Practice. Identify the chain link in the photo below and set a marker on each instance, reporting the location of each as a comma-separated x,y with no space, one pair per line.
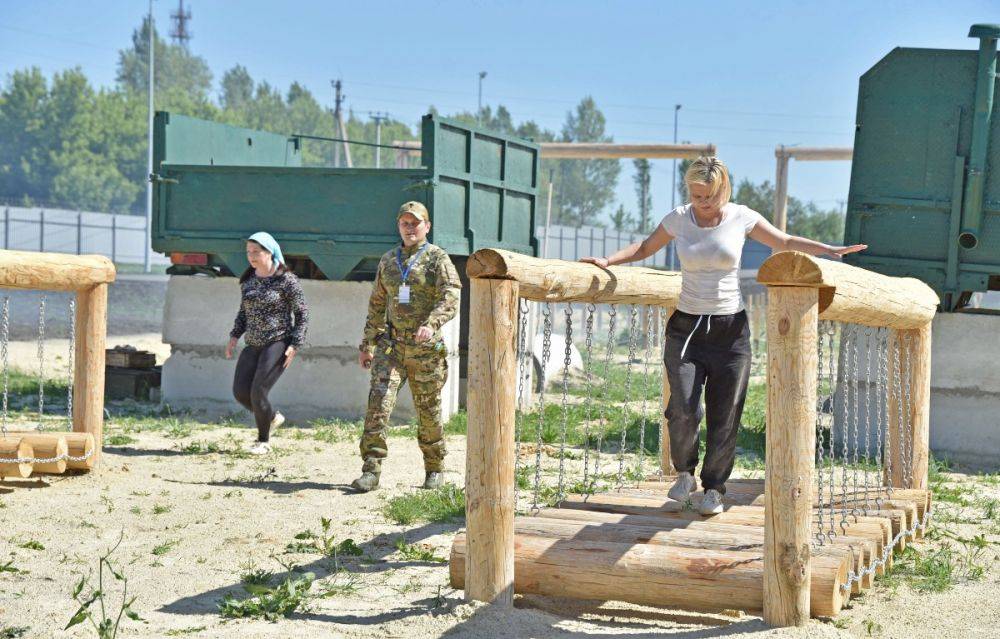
632,336
41,360
588,373
907,412
546,353
820,538
847,338
4,341
647,355
612,316
883,408
870,334
522,379
567,360
71,362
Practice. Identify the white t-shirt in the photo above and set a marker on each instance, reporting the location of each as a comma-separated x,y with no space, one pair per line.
710,258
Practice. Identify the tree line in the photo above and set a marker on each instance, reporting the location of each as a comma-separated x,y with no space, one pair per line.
66,143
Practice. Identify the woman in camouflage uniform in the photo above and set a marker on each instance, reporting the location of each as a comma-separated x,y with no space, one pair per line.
416,292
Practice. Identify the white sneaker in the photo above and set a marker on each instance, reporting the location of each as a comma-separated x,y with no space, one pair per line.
683,486
711,503
276,422
259,448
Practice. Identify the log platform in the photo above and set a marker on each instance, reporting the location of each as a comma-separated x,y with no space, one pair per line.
637,545
46,445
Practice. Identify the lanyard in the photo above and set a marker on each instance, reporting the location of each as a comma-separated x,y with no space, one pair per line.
405,271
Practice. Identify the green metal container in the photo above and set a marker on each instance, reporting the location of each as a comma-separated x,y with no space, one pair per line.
925,179
216,184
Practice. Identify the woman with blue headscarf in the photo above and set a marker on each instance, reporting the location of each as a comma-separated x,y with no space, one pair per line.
272,320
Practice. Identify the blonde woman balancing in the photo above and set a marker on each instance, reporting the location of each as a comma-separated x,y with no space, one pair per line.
708,336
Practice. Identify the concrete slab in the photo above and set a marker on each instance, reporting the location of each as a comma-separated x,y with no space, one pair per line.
324,381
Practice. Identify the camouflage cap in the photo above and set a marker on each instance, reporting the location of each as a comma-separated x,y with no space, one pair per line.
415,209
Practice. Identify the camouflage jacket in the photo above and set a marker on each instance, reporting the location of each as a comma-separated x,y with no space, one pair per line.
434,295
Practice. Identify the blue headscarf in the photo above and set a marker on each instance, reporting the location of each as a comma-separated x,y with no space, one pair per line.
270,245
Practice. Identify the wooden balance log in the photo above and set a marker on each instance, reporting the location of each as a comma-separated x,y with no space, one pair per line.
46,446
654,575
876,529
81,445
863,551
15,448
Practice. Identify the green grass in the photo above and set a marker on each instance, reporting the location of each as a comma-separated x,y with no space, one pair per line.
118,439
444,504
165,547
22,387
323,543
413,552
270,603
13,632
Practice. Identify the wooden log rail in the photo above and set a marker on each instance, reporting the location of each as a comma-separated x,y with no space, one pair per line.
802,290
88,276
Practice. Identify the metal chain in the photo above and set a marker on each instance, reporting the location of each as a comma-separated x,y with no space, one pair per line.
567,360
41,360
588,373
901,409
632,335
870,335
72,355
522,378
546,352
647,355
4,340
847,337
907,412
661,408
836,392
612,315
820,538
856,405
883,408
51,460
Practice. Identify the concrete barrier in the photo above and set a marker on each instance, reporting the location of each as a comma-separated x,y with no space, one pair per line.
325,380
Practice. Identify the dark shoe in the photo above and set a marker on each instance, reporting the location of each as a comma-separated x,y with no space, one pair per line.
433,480
366,483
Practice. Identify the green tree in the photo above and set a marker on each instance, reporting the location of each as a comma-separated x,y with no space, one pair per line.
584,187
179,76
237,88
642,192
25,139
622,220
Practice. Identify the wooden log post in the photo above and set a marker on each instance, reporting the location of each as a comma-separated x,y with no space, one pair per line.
792,326
489,469
47,446
908,433
88,378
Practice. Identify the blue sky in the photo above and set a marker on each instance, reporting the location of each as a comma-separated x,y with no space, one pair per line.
750,75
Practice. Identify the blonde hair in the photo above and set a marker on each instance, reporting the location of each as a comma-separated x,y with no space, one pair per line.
713,173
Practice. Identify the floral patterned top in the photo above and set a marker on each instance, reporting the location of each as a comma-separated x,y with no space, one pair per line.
268,308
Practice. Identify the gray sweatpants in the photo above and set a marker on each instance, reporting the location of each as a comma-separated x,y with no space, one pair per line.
710,351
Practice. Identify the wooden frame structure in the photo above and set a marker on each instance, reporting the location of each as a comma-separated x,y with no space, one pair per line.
794,581
811,154
88,276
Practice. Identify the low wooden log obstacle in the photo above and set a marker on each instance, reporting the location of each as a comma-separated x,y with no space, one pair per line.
26,452
845,481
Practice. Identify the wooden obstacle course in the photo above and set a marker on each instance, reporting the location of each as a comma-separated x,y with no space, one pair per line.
772,533
88,276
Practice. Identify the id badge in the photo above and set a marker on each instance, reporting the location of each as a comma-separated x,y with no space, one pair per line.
404,294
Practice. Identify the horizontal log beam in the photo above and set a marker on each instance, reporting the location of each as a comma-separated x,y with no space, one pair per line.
544,280
53,271
815,153
599,150
689,578
851,294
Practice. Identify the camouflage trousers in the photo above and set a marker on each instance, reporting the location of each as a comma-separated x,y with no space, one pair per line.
426,369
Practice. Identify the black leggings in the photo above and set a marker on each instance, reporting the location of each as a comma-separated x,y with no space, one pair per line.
257,370
710,352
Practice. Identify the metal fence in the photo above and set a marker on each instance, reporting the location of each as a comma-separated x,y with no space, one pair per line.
122,238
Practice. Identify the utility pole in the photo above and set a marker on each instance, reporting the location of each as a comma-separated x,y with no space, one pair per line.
149,141
379,118
479,112
673,191
337,100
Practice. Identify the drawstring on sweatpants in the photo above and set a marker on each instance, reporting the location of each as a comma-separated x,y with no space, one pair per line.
708,328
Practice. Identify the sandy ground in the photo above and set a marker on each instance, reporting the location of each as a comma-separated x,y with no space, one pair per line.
222,511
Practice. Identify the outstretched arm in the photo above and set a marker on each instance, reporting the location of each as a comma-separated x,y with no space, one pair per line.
636,251
777,240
